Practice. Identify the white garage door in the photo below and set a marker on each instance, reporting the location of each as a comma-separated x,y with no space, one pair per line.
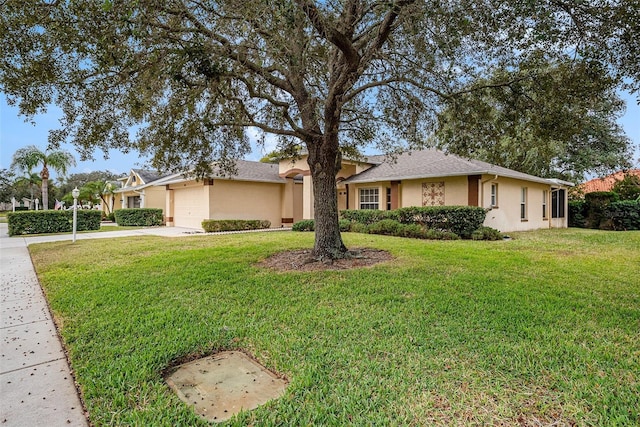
189,207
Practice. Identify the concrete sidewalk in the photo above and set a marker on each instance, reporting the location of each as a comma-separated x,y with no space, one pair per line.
36,383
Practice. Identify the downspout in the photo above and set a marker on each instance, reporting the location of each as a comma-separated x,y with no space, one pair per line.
347,190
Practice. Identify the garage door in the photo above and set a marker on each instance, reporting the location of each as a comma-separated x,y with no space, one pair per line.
189,207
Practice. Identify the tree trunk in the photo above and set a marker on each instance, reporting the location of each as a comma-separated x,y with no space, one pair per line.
324,165
45,187
45,194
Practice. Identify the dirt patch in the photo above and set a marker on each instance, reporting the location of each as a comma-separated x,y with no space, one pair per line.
301,260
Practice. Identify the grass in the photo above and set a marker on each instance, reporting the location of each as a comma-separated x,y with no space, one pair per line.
538,330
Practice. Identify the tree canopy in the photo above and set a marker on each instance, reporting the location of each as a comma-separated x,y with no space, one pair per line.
555,121
337,75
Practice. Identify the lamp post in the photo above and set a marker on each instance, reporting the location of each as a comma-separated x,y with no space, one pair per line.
37,203
75,193
13,202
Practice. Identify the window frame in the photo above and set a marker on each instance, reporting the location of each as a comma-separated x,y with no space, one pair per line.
558,203
523,203
493,195
368,198
545,210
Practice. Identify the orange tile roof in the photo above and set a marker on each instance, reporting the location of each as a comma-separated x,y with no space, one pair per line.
606,183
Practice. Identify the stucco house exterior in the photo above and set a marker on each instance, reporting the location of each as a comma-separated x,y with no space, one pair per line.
283,193
256,191
516,201
137,190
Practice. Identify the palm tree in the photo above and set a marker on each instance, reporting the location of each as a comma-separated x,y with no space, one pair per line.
27,158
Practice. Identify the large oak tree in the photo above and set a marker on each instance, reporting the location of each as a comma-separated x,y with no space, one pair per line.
552,120
336,75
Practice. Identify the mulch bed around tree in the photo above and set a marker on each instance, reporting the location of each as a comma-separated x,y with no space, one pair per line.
301,260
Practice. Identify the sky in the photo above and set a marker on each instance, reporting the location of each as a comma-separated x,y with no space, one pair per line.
15,133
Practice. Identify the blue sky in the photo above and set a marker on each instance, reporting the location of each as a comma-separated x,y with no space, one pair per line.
16,133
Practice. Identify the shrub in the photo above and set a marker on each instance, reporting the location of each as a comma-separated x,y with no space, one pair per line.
304,225
413,231
596,204
388,227
41,222
111,217
344,224
365,216
461,220
624,215
138,217
215,225
358,227
432,234
577,213
486,233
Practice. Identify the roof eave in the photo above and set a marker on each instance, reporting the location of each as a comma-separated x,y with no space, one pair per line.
479,172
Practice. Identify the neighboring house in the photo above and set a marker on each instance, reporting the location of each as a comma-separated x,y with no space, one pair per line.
605,183
516,201
138,191
283,193
256,191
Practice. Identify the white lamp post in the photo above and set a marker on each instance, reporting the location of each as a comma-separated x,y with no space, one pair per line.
13,202
37,203
75,193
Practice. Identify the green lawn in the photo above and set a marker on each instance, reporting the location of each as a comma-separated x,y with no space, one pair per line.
544,328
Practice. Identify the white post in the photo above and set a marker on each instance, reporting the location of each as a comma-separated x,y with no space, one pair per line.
75,193
37,203
13,202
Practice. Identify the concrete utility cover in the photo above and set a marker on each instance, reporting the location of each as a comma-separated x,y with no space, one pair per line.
220,386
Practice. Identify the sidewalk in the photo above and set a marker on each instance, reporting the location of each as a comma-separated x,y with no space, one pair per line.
36,384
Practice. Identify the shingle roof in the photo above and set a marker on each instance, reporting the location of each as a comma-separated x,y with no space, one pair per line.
148,175
432,163
606,183
252,171
245,171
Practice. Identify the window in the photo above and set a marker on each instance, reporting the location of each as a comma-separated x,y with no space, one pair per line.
369,198
133,202
494,195
557,203
388,199
545,194
523,203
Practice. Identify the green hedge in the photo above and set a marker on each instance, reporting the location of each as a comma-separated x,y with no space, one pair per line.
595,209
366,216
215,225
138,217
624,215
461,220
41,222
304,225
310,225
577,213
